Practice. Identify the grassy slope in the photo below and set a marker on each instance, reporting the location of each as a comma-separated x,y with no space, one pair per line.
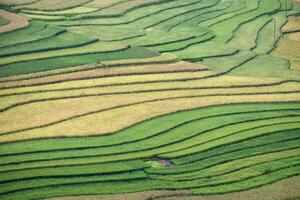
256,139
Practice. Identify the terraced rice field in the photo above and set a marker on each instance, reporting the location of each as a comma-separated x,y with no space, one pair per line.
149,99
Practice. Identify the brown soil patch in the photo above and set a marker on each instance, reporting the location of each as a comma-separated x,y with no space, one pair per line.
16,22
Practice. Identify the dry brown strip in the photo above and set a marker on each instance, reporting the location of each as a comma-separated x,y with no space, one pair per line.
107,72
17,22
129,196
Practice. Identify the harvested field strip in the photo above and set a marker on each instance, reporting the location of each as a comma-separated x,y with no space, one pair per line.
16,22
164,58
53,5
168,78
72,11
72,60
102,72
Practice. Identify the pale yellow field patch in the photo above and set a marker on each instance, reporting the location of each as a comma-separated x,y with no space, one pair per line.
115,119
